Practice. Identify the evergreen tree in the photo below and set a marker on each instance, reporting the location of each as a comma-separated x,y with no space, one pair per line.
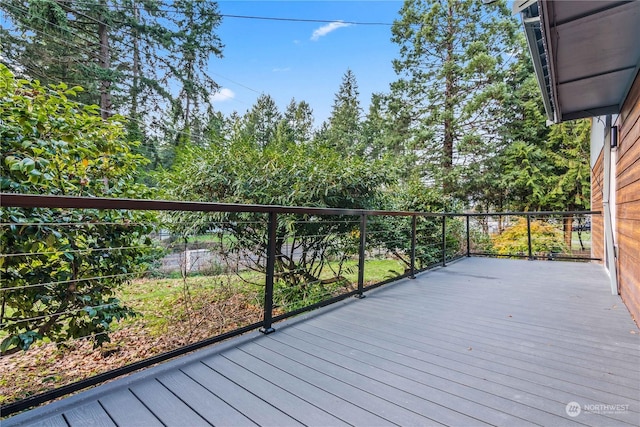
298,118
262,120
385,132
451,80
344,122
133,57
568,149
536,167
48,42
373,129
514,175
194,42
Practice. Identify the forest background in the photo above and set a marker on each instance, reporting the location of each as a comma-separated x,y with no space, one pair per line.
462,125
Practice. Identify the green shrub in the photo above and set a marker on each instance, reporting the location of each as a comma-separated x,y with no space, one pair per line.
545,239
60,268
481,242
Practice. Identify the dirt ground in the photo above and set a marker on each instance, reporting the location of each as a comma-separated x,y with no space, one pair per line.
47,366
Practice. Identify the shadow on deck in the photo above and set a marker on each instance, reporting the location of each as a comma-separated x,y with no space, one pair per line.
480,342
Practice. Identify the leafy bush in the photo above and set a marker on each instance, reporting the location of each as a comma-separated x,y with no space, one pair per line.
545,239
288,298
481,241
280,173
60,268
394,233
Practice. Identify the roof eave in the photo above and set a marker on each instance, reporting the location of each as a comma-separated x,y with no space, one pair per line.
536,42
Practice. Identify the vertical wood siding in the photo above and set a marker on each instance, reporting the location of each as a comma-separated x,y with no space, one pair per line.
597,221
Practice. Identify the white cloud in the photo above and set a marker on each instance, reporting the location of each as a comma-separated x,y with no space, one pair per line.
281,70
224,94
326,29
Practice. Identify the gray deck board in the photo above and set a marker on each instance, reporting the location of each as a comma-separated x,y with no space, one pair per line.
582,343
505,322
455,351
254,408
428,403
488,408
282,374
505,340
204,402
55,421
91,414
165,405
278,397
125,409
452,378
480,342
512,349
391,404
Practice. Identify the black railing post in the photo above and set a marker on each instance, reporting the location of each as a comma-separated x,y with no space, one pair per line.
468,238
414,220
444,240
361,255
271,263
529,236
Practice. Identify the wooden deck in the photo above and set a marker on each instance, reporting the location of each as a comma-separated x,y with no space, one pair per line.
480,342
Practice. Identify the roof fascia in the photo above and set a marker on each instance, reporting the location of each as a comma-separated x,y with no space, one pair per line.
546,12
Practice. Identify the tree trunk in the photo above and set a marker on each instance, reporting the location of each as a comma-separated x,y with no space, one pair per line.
568,230
105,64
136,67
190,59
447,152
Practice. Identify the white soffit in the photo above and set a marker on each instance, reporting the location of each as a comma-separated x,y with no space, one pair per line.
591,50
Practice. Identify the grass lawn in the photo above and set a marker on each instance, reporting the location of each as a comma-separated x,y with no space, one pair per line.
162,300
212,238
575,240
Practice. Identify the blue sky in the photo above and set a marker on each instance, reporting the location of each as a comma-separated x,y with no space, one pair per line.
286,60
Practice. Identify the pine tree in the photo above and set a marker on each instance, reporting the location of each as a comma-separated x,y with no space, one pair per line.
194,42
344,122
452,57
514,175
133,57
298,118
262,120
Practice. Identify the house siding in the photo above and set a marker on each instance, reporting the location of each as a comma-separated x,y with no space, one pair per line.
597,221
628,201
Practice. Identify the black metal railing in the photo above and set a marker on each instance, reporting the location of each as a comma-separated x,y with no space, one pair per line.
531,235
211,271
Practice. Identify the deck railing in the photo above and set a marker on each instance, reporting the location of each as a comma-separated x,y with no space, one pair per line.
531,235
205,272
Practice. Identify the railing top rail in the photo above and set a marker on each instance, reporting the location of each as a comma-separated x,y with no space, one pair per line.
44,201
48,201
529,213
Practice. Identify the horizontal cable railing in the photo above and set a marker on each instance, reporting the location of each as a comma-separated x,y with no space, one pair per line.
130,283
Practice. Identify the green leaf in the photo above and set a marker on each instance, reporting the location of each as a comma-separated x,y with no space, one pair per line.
51,240
8,342
27,164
